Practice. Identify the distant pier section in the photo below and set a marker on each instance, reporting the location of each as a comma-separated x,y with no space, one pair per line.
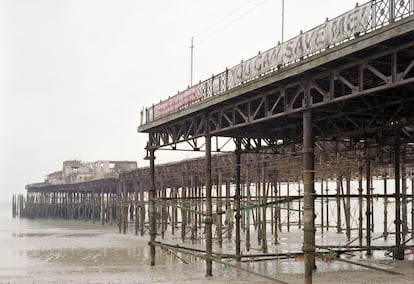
81,190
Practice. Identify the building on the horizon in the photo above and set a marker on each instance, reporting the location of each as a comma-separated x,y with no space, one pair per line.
75,171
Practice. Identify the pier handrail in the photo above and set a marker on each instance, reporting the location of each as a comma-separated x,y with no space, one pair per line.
354,23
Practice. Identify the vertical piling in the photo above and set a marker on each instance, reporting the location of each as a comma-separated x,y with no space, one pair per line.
264,201
220,209
209,218
322,208
162,192
152,217
368,210
229,215
248,211
327,205
338,205
309,197
288,206
412,205
276,213
360,201
385,234
237,198
398,252
136,202
125,208
183,212
348,206
404,219
173,197
279,212
142,207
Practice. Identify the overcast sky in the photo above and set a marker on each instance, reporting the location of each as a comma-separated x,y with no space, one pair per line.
74,74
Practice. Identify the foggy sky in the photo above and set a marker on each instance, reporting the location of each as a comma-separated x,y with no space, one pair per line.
75,74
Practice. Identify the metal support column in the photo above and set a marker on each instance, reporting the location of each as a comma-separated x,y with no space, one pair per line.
360,216
264,208
338,205
368,212
404,217
398,252
309,196
385,208
152,217
248,210
237,198
209,216
348,206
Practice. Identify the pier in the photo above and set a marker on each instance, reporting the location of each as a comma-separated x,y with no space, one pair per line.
316,134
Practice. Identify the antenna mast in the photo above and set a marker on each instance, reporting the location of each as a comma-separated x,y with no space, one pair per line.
191,64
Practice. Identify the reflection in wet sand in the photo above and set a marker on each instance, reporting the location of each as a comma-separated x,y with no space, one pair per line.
78,252
89,256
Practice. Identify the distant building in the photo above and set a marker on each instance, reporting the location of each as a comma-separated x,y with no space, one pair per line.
77,171
55,178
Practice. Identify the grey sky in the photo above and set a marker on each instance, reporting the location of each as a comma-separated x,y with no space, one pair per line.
74,74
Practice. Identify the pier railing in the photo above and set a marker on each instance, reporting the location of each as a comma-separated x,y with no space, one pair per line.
354,23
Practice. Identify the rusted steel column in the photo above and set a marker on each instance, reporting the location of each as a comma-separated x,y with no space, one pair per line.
220,209
136,213
248,211
162,194
264,207
322,209
360,200
348,206
385,234
209,216
279,212
110,200
309,197
125,208
412,205
183,212
299,206
288,206
93,201
368,214
404,217
237,198
276,212
142,207
338,205
119,207
398,252
327,205
173,197
152,217
193,202
258,211
229,215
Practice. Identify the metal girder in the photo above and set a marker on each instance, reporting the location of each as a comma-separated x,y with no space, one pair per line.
353,96
363,78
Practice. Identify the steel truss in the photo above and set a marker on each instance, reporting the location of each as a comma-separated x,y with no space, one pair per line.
358,96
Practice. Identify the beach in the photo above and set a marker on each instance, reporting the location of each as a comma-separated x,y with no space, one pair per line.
61,251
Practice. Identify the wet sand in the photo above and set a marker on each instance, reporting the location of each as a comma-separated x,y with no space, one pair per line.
47,251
